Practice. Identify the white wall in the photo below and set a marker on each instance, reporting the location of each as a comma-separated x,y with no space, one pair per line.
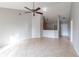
75,26
50,33
71,30
14,27
36,26
55,8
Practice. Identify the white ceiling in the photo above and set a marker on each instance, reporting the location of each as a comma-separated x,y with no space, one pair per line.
15,5
21,5
53,8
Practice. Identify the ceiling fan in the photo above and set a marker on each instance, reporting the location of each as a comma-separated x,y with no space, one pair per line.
33,11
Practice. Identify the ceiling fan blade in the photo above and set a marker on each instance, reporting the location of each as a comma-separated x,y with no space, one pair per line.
37,9
28,8
28,12
39,13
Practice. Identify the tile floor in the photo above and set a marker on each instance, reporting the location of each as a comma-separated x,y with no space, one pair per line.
42,47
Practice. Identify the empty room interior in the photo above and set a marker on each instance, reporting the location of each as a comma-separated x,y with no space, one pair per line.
39,29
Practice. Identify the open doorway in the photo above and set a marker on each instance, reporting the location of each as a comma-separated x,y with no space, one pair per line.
64,27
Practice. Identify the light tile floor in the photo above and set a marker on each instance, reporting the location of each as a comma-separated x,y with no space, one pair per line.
43,47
